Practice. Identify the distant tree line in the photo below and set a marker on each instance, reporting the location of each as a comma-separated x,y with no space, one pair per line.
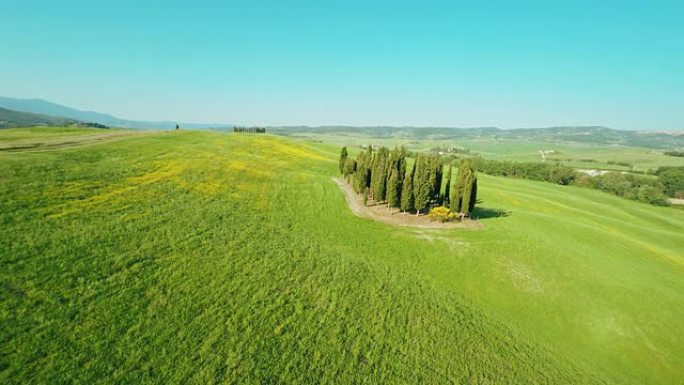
91,124
547,172
672,180
450,150
675,153
626,185
669,181
382,176
250,130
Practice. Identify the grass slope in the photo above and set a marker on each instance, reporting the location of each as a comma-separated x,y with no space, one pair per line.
193,257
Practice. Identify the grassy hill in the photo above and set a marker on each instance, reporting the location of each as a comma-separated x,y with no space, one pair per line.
199,257
11,118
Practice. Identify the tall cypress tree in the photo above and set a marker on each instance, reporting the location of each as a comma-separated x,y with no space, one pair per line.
457,191
467,193
379,174
473,194
343,159
361,176
406,203
422,184
393,189
373,174
447,188
436,170
349,168
401,166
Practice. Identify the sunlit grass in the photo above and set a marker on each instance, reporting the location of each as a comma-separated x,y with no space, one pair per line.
195,257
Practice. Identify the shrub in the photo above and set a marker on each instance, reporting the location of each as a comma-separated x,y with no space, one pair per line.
441,214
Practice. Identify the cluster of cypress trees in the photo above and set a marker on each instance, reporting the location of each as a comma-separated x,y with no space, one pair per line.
250,130
382,175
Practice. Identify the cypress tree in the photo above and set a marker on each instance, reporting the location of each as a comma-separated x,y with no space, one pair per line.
349,168
379,175
436,170
407,191
355,178
367,168
422,185
467,193
447,188
401,163
361,175
401,172
343,159
457,191
473,194
393,189
373,174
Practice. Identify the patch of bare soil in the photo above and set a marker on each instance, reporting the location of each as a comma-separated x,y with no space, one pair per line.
380,213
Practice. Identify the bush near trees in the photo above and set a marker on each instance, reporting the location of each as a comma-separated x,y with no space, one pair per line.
381,175
441,214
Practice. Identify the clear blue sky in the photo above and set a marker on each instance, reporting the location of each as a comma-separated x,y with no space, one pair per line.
506,64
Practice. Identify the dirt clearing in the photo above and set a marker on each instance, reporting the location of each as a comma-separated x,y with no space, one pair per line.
380,213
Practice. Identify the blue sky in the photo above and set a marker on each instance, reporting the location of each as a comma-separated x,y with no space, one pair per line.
496,63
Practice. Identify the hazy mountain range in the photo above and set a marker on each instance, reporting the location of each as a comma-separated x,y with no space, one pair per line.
44,107
12,118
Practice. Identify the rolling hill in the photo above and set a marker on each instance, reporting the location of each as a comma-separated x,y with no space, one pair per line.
43,107
577,134
10,118
202,257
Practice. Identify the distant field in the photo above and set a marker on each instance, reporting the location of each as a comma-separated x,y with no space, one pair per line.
572,154
48,138
199,257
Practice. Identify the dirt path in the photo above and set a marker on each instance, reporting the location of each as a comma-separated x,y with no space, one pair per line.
395,217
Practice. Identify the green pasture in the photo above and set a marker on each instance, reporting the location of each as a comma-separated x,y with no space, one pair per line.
200,257
572,154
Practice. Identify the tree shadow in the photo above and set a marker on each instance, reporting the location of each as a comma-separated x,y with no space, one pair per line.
486,213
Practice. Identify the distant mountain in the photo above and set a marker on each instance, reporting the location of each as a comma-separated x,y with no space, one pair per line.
44,107
585,134
10,118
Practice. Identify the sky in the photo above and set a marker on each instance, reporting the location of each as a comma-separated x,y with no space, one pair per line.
406,63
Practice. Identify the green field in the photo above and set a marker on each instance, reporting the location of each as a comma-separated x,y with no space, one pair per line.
581,155
199,257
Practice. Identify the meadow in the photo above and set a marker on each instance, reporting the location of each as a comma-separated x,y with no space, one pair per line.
583,155
201,257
